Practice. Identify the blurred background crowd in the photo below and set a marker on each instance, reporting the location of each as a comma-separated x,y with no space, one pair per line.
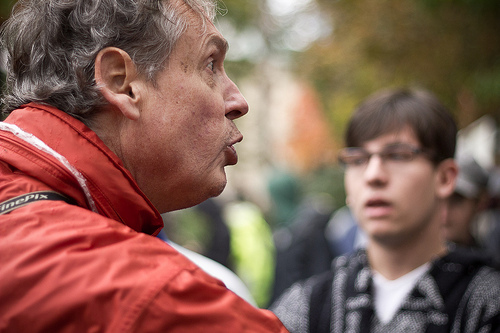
303,65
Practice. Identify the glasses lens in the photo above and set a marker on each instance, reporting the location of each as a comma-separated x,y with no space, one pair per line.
400,153
353,156
356,156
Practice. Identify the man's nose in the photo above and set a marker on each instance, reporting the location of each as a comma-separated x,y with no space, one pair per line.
375,171
236,104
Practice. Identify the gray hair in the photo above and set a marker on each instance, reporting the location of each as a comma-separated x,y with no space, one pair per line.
52,46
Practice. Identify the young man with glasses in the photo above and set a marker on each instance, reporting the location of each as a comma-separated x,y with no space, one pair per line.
399,172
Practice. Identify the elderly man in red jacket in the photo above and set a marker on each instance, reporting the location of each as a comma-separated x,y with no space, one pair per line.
118,111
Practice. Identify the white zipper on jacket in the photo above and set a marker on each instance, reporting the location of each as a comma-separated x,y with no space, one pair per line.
40,145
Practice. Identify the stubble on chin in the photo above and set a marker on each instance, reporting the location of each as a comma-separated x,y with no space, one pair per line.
217,189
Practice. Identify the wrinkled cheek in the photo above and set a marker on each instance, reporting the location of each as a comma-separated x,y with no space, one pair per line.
211,128
204,138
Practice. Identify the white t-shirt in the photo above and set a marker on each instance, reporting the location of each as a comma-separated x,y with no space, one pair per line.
390,294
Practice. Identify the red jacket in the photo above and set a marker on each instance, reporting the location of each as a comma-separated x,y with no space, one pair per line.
65,268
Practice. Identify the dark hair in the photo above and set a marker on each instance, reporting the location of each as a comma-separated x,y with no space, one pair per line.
52,45
391,110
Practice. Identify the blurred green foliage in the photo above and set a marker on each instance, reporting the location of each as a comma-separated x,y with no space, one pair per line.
328,179
450,47
189,228
240,13
5,8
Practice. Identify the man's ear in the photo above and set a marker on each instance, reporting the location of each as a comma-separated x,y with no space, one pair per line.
446,176
116,78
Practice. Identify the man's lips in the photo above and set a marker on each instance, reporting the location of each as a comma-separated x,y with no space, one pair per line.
378,208
232,155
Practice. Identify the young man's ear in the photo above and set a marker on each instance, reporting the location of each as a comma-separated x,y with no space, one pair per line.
446,176
116,75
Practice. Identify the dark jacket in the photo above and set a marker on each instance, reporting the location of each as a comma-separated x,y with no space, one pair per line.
460,293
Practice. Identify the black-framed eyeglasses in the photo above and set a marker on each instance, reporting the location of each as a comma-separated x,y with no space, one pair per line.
357,157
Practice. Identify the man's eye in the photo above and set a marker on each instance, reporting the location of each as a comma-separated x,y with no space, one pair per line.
357,160
399,155
211,66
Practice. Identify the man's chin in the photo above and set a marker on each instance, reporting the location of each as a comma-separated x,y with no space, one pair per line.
196,194
212,191
219,188
388,239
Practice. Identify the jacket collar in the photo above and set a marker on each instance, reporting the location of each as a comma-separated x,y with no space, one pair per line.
110,186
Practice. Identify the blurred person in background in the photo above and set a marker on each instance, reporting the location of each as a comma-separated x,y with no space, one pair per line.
468,200
489,226
472,220
343,232
302,249
196,232
399,173
252,254
119,110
